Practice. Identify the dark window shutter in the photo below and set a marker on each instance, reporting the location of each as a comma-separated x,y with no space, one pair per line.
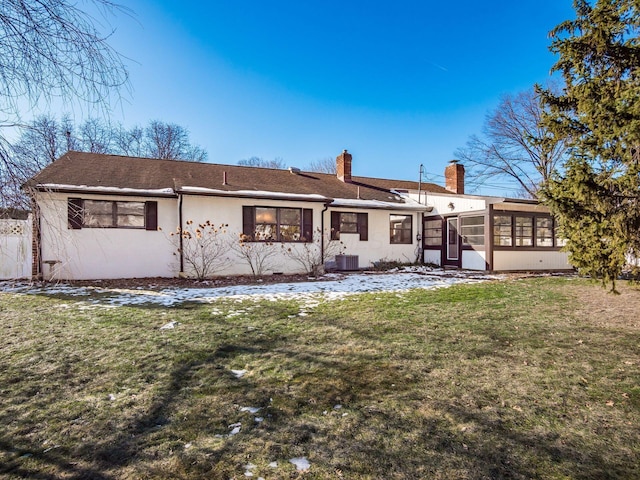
151,215
248,221
335,225
363,226
307,224
74,209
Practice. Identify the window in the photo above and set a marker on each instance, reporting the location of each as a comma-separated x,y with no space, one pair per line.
524,231
544,232
533,231
349,222
502,230
401,229
112,214
472,230
278,224
432,233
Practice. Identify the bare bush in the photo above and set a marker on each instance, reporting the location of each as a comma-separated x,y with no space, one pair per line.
259,255
203,248
313,255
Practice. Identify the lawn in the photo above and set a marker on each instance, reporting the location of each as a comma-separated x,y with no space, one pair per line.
528,378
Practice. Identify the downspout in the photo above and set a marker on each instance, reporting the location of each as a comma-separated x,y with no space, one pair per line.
181,273
326,207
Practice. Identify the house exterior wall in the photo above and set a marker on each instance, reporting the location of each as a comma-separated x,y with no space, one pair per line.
509,260
92,253
378,246
474,260
103,253
433,257
222,210
228,211
461,204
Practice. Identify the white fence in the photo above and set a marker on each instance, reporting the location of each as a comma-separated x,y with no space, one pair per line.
15,249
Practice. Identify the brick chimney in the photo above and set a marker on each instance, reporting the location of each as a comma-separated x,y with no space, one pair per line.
454,177
343,166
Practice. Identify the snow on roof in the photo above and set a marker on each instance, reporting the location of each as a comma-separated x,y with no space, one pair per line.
355,203
98,189
254,194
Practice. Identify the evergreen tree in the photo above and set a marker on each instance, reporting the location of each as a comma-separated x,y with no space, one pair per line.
597,197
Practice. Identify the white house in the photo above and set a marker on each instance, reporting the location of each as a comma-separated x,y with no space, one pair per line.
106,216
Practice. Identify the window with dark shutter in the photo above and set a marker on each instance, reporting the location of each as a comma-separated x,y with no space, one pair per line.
151,215
335,225
349,222
74,213
363,226
248,222
307,225
111,214
277,224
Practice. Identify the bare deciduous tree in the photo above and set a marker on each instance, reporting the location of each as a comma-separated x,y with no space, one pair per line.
514,146
129,142
52,49
45,139
277,163
324,165
169,141
95,136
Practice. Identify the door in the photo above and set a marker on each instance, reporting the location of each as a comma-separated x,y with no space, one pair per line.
453,243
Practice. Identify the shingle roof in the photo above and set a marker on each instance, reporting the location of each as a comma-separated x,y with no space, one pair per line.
100,171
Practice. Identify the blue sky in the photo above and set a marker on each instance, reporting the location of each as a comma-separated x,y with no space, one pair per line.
398,84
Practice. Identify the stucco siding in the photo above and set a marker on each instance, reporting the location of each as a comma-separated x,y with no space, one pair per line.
92,253
378,246
228,212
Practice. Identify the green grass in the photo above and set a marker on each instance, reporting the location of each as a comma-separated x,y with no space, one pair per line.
514,379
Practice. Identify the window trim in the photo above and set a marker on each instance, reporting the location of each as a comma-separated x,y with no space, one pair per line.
483,236
362,225
401,229
76,211
439,228
249,224
534,217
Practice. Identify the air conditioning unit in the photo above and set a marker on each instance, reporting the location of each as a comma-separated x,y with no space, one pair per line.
347,262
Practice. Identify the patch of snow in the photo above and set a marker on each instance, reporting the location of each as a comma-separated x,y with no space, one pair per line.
250,409
248,467
239,373
309,294
273,464
169,326
235,428
301,463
